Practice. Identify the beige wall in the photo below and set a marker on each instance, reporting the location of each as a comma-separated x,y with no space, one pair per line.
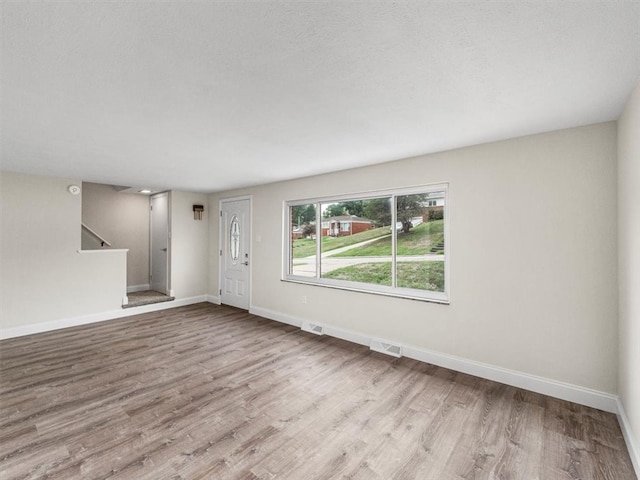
629,261
123,220
189,246
43,278
533,256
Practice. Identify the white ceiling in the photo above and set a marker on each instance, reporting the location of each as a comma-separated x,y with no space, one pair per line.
208,96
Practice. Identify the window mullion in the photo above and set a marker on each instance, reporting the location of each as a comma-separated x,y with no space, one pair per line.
318,238
394,235
289,238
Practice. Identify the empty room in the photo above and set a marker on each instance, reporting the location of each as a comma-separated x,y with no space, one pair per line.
320,240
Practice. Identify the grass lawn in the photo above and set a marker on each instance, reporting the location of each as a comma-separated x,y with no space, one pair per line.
305,247
420,275
417,242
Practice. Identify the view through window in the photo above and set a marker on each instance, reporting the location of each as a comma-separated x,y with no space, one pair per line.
390,243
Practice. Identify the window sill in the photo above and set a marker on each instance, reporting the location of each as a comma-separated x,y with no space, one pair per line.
372,291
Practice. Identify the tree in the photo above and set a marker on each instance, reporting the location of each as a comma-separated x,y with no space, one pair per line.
351,207
354,207
334,210
302,214
409,206
378,210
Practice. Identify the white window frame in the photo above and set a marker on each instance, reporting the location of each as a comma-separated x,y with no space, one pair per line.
393,290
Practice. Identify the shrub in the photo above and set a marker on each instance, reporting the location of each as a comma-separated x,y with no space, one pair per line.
308,230
435,214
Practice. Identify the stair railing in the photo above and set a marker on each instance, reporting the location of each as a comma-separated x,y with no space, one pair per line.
102,241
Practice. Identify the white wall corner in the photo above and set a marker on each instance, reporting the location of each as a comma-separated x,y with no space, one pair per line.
627,433
213,299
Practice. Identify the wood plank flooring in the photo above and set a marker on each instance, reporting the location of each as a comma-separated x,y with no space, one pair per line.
211,392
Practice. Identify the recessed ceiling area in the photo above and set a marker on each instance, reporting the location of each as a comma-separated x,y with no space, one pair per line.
209,96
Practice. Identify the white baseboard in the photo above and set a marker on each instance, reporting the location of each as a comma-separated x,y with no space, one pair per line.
627,433
138,288
572,393
213,299
273,315
96,317
546,386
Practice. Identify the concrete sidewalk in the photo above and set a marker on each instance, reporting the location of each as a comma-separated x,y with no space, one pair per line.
344,249
307,266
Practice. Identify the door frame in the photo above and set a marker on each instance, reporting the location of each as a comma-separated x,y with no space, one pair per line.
221,232
169,249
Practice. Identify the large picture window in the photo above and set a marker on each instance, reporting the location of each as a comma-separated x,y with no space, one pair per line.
392,243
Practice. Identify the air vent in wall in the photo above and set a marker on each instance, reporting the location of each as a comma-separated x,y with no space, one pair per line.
313,328
386,347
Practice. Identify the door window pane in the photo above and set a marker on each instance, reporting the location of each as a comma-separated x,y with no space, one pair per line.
234,239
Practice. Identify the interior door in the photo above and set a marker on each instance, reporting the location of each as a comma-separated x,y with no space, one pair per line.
159,247
235,233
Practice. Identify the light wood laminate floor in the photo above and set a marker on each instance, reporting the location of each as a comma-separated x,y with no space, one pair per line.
216,393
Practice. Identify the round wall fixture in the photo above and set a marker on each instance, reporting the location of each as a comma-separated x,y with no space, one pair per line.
74,189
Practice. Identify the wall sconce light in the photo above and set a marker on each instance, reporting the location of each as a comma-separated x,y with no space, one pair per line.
197,212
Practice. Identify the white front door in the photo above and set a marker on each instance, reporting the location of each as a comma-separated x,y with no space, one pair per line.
159,246
235,232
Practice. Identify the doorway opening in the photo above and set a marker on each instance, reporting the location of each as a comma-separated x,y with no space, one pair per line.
118,217
159,255
160,244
